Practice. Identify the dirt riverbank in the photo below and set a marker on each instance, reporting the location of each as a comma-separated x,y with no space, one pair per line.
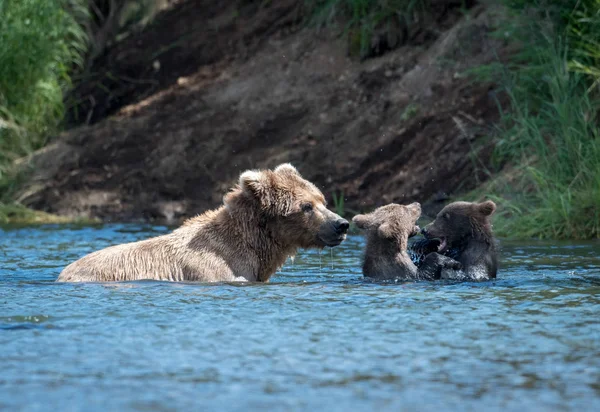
174,113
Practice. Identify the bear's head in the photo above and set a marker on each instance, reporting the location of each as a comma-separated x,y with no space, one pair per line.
459,222
391,222
292,207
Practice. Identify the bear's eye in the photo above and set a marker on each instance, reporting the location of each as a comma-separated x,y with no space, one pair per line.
307,207
446,216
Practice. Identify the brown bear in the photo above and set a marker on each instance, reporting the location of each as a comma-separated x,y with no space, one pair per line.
264,219
464,231
386,257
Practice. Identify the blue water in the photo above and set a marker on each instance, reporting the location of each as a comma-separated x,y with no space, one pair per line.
318,337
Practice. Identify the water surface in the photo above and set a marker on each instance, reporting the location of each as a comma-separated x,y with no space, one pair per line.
317,337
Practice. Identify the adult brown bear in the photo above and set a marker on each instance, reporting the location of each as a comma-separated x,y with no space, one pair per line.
264,219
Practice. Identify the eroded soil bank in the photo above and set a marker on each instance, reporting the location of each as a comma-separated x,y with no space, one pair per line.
173,114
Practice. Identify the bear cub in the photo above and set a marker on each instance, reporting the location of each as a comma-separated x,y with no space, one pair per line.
463,231
386,257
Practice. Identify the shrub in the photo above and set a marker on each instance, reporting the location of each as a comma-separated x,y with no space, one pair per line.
42,42
550,137
364,16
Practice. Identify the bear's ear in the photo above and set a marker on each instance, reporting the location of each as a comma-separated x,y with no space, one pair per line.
415,209
386,231
263,186
487,208
253,182
361,221
286,168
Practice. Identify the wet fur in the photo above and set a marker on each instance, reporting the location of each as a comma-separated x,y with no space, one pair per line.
386,255
260,224
468,230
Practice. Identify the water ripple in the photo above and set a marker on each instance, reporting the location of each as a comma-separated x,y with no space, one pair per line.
318,336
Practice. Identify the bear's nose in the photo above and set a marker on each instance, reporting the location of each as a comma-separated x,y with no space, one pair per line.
341,225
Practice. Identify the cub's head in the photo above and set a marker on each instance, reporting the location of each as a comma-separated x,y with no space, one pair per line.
293,207
459,222
392,222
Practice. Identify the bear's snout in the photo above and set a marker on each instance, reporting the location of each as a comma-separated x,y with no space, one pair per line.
333,230
430,231
341,226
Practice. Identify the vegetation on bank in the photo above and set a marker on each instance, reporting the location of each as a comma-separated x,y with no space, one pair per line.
42,42
549,139
363,18
546,171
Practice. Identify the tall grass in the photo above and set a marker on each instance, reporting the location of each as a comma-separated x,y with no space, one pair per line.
551,136
363,17
40,43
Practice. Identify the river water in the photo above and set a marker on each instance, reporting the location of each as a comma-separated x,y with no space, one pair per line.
318,337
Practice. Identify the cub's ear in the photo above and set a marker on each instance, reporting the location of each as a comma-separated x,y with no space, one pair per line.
487,208
415,209
253,182
286,168
362,221
386,231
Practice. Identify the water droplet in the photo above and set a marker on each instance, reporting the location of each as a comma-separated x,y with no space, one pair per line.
331,256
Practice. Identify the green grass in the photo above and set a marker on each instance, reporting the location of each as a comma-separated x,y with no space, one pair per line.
550,137
18,214
338,203
363,17
410,111
41,43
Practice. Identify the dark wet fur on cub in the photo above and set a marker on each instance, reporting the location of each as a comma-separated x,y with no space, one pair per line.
386,257
419,249
464,231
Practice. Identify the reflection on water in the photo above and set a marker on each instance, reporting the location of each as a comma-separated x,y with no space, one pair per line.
318,336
